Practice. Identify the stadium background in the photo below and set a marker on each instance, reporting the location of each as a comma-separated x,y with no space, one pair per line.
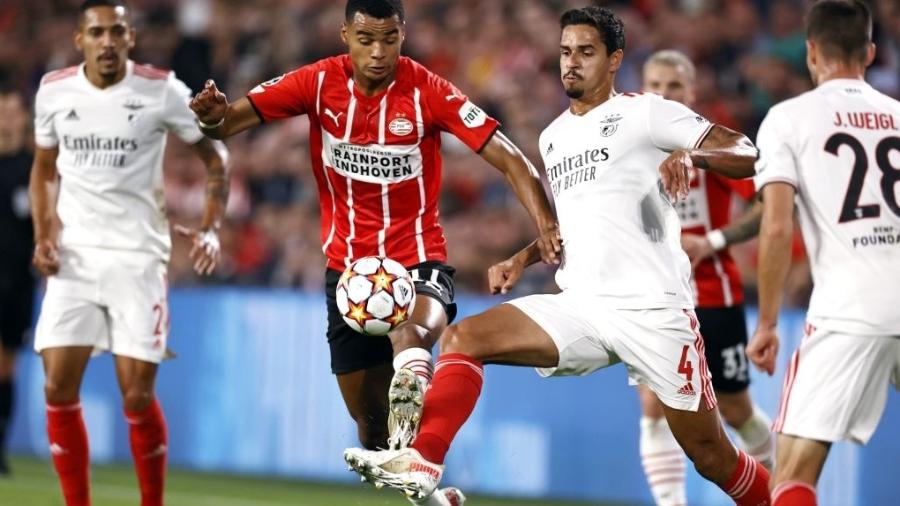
251,391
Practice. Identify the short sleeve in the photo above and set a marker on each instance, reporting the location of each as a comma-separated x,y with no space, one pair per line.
284,96
453,112
177,116
777,162
44,129
673,126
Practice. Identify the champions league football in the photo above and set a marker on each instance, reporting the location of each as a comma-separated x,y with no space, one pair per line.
375,295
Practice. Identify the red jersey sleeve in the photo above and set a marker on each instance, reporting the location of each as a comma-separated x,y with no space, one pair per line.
285,96
451,111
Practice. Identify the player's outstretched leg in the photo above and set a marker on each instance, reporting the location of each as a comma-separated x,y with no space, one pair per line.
146,426
502,334
64,368
413,368
797,469
701,435
751,424
661,456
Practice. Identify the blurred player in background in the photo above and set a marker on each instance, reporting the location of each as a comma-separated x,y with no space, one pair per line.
376,121
718,296
100,133
625,281
16,279
835,152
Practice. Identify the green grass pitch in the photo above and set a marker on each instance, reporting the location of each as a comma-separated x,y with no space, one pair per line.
33,483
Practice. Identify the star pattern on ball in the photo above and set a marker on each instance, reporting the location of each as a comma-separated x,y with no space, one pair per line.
383,280
359,314
345,278
400,315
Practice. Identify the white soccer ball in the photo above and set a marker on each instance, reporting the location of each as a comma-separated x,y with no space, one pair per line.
375,295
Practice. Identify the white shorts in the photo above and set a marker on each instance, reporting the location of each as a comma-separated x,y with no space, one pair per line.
836,386
661,348
115,301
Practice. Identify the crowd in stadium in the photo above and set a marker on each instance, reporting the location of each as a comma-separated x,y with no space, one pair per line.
503,54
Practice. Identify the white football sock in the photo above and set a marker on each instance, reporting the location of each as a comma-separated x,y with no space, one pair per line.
663,461
418,360
757,439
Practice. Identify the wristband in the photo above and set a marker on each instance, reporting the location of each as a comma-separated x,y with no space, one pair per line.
716,239
210,126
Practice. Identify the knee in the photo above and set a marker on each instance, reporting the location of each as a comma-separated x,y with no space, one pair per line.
372,436
412,336
711,457
460,338
58,392
137,399
734,412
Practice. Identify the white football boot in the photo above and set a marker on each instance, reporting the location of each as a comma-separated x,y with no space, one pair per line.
405,398
453,495
404,470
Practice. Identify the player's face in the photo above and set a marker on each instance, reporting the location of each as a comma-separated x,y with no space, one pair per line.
584,65
374,46
670,81
105,38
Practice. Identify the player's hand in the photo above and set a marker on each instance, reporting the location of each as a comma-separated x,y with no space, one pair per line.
675,172
205,249
46,257
503,277
549,244
697,248
210,104
763,349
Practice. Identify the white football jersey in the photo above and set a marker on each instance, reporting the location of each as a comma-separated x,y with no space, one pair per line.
620,232
839,147
111,143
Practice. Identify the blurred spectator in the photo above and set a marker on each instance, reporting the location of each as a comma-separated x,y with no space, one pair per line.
750,55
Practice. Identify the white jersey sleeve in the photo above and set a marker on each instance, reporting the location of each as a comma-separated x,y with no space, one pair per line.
44,129
177,116
673,126
777,159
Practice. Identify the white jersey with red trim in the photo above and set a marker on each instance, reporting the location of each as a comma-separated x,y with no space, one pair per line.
376,159
620,232
839,147
111,143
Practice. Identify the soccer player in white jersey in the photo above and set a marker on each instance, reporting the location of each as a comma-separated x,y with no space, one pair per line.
718,295
834,152
614,162
100,133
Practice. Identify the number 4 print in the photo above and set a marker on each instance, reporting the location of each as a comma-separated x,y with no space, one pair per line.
684,366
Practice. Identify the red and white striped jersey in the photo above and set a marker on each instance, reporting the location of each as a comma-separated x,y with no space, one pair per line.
376,159
716,280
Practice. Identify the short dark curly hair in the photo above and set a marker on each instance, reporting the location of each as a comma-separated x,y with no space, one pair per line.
378,9
610,27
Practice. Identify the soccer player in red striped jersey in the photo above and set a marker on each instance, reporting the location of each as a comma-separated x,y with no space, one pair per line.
718,296
375,133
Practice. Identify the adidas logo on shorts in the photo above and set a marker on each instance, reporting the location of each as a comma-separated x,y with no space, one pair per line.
687,389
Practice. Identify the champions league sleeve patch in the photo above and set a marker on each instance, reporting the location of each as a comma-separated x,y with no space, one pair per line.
271,82
471,115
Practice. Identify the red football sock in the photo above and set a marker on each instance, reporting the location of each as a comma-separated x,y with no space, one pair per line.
69,448
147,432
794,493
448,404
749,484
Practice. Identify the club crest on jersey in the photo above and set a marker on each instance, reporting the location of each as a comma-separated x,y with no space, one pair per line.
271,82
401,127
611,118
471,115
608,129
133,104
